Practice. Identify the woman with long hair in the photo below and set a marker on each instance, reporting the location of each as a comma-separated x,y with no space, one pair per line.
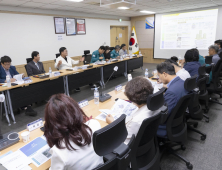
69,135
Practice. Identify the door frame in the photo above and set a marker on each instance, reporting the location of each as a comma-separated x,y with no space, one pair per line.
127,31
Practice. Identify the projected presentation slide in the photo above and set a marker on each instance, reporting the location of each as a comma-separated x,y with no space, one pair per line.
189,30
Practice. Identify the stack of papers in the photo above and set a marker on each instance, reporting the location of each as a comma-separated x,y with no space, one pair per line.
18,78
119,108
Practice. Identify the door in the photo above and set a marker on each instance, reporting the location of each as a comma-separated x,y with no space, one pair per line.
118,36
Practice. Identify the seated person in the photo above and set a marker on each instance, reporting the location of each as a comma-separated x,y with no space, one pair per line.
175,90
191,63
35,67
219,44
65,62
68,132
213,51
107,53
7,70
115,52
174,58
137,90
98,54
122,50
181,72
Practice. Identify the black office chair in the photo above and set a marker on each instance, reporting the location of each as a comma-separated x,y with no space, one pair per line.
176,128
202,85
111,48
145,150
109,143
195,109
28,60
215,85
208,59
57,55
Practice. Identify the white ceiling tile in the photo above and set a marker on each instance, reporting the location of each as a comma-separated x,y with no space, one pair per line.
12,2
32,4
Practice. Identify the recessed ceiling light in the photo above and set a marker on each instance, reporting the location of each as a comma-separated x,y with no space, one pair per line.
147,12
75,0
123,7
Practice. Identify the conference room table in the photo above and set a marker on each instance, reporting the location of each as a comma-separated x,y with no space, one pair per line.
91,109
41,89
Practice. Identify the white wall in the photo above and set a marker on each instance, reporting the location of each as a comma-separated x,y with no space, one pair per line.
21,34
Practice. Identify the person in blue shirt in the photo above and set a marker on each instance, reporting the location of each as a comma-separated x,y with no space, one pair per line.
213,51
175,90
115,52
191,62
6,69
98,54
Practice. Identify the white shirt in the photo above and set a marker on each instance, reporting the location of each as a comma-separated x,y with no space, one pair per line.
183,74
84,158
134,122
65,64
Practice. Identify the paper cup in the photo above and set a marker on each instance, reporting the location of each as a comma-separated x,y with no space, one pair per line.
25,136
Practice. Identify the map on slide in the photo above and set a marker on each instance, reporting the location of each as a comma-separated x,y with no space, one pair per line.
189,30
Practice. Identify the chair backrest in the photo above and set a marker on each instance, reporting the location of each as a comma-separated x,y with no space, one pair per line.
87,58
156,101
86,52
201,84
110,137
57,55
176,123
111,48
208,59
202,70
216,75
190,83
28,60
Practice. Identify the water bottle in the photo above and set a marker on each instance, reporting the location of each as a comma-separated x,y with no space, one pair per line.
96,96
50,72
8,81
146,74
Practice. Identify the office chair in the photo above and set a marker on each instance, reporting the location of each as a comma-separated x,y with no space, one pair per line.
57,55
215,85
145,150
202,85
208,59
111,48
176,130
87,57
28,60
195,109
109,143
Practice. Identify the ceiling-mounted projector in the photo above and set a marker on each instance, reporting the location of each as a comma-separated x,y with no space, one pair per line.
117,3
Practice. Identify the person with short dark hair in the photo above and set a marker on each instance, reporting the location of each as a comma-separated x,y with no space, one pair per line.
213,51
181,72
175,90
107,53
174,58
98,54
6,69
64,61
219,44
115,52
192,61
123,50
35,67
68,132
137,91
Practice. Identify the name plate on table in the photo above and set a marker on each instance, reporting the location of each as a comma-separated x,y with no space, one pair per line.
119,87
57,73
35,125
83,103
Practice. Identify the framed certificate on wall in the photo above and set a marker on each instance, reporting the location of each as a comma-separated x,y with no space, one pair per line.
59,25
70,26
81,26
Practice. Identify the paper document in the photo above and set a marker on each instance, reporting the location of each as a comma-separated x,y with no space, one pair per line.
37,151
15,161
119,108
18,78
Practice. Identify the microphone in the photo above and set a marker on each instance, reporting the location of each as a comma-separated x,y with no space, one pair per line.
104,97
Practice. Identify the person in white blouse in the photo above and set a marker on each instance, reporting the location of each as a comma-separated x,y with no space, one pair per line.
137,91
68,132
64,61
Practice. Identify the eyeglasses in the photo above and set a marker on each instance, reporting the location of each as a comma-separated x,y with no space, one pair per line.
7,64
